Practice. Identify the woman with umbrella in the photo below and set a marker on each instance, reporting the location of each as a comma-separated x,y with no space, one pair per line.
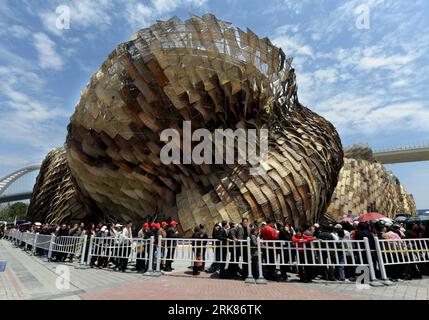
370,216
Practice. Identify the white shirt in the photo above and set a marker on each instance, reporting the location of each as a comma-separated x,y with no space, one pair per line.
126,235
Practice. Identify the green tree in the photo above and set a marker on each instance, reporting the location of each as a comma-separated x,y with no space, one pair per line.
16,209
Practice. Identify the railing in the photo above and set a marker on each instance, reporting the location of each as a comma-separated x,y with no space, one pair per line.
68,244
421,145
328,253
399,252
245,253
47,244
132,249
43,241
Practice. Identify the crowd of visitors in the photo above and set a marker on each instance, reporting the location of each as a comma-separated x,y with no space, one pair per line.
228,232
306,234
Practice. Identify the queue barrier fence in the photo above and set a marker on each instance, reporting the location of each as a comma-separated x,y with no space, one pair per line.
132,249
402,251
47,244
328,253
204,251
323,253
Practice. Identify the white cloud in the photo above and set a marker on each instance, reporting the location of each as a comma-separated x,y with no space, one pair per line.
102,14
400,83
12,75
140,15
328,75
165,6
49,19
18,31
48,57
29,115
410,115
38,135
293,46
89,13
83,14
26,107
389,62
370,114
10,58
328,23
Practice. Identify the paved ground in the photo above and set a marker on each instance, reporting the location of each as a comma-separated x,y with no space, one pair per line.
28,277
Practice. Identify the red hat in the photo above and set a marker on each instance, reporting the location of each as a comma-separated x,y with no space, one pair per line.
163,224
157,225
173,223
146,225
153,225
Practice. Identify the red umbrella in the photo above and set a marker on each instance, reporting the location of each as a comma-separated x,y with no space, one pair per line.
370,216
348,219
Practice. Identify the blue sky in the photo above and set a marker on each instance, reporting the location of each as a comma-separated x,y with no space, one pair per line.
371,83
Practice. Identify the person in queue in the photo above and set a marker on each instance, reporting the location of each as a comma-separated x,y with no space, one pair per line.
172,233
301,240
233,270
204,236
243,232
363,231
215,265
125,242
140,249
162,232
222,235
285,234
196,248
268,232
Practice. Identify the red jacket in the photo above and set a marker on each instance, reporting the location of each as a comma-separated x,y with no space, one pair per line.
301,240
269,233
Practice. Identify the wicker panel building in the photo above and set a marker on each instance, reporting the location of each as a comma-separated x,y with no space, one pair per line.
217,76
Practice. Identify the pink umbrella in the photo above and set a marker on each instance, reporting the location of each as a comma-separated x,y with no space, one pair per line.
348,219
370,216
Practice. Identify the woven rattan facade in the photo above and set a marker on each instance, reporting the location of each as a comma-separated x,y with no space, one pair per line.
208,72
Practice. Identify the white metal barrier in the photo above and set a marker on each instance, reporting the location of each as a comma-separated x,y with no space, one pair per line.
329,253
18,238
11,234
404,251
68,244
48,244
112,248
43,241
27,239
316,253
204,251
398,252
